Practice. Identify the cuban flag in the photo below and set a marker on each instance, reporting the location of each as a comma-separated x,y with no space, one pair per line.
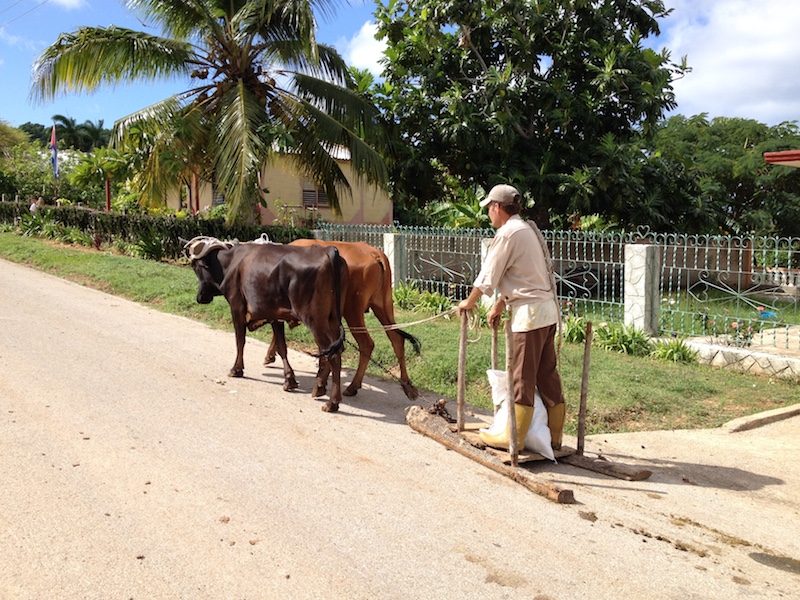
54,152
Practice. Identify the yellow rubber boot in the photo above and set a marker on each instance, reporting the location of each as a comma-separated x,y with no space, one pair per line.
555,423
524,416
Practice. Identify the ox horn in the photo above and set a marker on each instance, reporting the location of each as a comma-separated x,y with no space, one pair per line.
201,245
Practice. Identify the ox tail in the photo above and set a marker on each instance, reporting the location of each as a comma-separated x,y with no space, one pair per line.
415,343
340,276
383,261
334,348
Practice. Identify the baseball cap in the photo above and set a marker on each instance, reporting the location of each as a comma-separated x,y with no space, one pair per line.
502,194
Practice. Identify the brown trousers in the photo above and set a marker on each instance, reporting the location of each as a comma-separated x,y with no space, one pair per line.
535,366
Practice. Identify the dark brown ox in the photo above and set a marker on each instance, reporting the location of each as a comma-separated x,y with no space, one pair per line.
274,283
369,287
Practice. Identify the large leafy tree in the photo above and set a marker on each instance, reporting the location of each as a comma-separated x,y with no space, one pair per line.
10,136
725,159
518,90
258,84
36,132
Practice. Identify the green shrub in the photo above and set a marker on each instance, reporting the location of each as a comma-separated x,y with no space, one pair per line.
574,329
150,245
433,303
73,235
674,350
33,225
623,339
406,295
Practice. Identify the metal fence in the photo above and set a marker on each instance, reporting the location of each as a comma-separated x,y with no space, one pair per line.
741,290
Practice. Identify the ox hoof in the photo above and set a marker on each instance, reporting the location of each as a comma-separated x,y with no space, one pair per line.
409,390
330,407
290,384
236,373
350,391
319,390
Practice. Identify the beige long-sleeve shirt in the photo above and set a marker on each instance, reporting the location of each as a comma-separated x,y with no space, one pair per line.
516,267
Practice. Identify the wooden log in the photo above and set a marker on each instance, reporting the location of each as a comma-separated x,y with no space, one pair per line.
437,429
584,388
612,469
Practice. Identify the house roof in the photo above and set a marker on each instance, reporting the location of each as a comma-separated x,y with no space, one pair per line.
787,158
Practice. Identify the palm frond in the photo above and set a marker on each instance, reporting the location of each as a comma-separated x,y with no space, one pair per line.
342,118
315,160
240,149
326,64
178,18
151,118
168,143
94,56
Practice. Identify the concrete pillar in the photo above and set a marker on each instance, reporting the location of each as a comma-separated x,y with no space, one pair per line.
642,285
394,245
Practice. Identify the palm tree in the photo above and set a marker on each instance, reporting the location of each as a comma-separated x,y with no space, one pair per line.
259,85
94,135
68,131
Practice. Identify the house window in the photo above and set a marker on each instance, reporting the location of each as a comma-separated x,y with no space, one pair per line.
313,197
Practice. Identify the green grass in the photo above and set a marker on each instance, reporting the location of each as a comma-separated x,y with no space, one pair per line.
625,393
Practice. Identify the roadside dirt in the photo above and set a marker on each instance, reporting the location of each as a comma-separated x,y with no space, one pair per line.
133,468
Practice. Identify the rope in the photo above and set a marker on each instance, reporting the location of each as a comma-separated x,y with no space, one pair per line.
387,370
401,325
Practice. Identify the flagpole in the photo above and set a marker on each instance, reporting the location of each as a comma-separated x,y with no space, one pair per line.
54,160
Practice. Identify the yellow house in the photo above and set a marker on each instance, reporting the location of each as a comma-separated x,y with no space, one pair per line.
290,197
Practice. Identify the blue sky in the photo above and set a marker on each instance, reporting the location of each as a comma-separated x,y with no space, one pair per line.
743,55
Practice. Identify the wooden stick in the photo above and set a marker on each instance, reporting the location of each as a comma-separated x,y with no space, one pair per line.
462,372
584,388
618,470
437,429
513,451
494,346
494,356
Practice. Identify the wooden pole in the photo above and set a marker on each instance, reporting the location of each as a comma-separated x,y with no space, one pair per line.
462,372
584,388
494,355
513,451
437,429
494,346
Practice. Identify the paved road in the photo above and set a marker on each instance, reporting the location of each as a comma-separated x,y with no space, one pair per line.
133,468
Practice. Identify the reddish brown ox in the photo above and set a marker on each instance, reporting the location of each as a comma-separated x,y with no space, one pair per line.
274,283
370,287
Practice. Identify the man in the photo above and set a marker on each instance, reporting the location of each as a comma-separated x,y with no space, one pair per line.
519,268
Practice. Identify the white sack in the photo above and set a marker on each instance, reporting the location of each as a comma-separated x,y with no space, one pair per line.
538,437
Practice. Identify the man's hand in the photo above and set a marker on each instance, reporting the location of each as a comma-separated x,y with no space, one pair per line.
493,317
470,301
465,306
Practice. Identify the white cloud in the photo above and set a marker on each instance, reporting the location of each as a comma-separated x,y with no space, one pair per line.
70,4
742,54
363,51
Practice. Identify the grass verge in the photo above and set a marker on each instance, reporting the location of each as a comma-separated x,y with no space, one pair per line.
625,393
